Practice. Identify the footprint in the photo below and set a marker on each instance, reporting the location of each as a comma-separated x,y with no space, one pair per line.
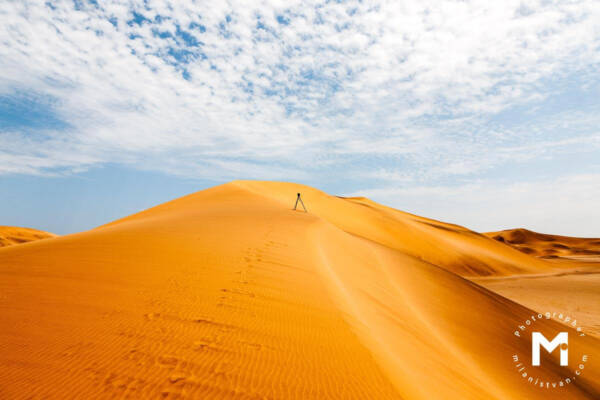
177,378
200,345
151,316
171,394
168,361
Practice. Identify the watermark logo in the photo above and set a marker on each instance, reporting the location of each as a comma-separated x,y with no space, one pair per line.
531,369
538,340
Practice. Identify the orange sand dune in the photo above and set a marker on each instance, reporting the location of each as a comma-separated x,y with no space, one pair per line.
572,289
10,235
228,293
452,247
574,293
549,246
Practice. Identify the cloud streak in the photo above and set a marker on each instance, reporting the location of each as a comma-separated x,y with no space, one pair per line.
389,93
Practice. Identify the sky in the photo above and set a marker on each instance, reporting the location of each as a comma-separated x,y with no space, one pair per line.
485,114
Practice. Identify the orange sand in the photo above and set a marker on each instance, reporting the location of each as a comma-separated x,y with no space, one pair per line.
549,246
576,294
10,235
228,293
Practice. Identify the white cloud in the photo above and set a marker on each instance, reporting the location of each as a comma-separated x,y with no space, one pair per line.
362,76
387,92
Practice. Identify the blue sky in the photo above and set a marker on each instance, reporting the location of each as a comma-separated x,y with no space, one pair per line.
485,114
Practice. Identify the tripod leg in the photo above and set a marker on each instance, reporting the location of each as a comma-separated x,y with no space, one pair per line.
296,205
301,202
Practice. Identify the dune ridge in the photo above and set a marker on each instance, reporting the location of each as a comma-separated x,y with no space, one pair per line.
11,235
450,246
228,293
549,246
573,288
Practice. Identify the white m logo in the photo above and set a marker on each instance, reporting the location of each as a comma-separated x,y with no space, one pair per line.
538,339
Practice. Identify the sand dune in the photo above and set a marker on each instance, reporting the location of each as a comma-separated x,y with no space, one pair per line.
549,246
450,246
10,235
573,293
228,293
572,289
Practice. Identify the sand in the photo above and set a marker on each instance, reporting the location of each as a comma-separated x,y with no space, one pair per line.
574,288
576,294
228,293
549,246
11,235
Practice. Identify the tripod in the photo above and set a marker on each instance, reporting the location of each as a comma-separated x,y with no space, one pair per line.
298,199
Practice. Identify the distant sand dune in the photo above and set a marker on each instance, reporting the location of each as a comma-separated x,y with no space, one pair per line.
10,235
549,246
228,293
450,246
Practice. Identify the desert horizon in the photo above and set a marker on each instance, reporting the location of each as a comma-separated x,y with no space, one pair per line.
299,200
231,293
